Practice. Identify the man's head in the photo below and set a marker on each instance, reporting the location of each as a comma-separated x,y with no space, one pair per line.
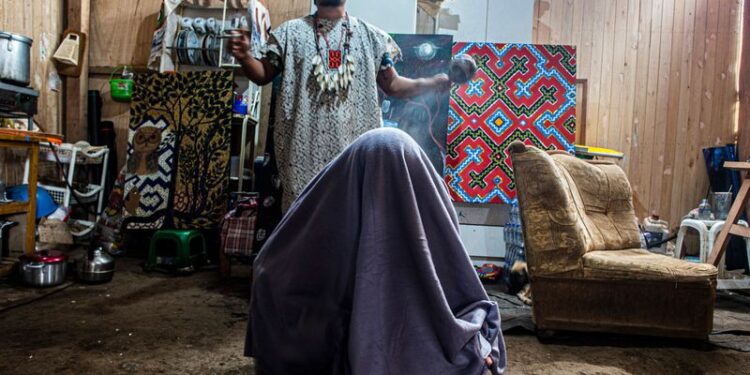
329,3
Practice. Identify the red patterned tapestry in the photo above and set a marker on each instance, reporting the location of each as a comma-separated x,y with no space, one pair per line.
521,92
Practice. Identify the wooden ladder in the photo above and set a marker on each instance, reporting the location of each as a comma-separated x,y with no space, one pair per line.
731,227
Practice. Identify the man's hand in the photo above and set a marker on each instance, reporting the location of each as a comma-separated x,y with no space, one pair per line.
441,82
259,71
239,44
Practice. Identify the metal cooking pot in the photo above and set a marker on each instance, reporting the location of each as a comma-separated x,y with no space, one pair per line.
44,268
15,58
95,267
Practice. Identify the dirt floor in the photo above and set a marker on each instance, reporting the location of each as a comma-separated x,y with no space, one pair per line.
160,324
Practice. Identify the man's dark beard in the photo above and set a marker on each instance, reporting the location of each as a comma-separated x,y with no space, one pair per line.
329,3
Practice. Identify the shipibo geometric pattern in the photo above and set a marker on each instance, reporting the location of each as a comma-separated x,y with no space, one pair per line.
520,92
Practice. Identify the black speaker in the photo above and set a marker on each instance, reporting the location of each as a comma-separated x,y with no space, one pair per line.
94,117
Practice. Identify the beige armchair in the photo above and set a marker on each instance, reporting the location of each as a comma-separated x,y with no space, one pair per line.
586,267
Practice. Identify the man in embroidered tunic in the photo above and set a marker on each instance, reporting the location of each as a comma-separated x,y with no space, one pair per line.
331,65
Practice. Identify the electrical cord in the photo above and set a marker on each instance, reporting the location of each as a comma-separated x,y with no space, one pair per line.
37,298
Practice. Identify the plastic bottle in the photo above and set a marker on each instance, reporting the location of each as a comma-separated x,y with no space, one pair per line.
515,214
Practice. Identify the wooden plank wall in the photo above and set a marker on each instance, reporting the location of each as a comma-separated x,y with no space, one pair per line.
744,115
121,33
662,85
78,18
41,20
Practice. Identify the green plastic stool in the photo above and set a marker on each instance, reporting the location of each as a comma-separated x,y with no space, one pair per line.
190,246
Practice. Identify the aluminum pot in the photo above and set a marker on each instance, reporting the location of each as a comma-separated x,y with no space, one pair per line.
44,268
15,58
95,267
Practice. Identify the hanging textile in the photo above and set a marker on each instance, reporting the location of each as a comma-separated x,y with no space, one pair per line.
521,92
178,150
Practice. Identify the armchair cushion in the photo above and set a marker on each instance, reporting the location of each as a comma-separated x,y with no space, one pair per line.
603,195
554,231
639,264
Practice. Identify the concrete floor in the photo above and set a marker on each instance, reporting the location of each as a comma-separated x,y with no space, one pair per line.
159,324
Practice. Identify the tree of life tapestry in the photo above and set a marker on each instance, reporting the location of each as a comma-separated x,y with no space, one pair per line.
520,92
178,151
425,117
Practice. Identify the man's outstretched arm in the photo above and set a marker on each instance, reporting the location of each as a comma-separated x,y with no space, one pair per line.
401,87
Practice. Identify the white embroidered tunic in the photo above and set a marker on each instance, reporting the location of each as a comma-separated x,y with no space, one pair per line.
312,126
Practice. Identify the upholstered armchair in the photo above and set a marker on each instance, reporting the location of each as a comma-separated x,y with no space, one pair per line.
586,267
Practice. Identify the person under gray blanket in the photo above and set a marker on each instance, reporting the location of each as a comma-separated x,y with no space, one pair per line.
366,275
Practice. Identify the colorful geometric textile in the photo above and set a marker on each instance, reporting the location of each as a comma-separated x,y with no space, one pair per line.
425,117
521,92
178,150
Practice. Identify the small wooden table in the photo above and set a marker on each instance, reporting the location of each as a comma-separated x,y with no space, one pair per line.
28,140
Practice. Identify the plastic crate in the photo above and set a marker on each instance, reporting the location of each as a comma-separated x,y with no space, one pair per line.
57,193
65,153
91,194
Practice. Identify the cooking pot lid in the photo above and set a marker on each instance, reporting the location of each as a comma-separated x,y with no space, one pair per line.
46,256
11,36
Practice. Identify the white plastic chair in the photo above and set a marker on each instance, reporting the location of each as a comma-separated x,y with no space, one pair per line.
707,230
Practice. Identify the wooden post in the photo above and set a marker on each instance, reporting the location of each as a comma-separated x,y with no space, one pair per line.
76,88
744,116
30,238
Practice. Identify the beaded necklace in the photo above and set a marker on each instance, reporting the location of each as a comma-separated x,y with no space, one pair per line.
339,71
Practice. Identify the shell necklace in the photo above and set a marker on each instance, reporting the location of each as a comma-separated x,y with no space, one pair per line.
335,71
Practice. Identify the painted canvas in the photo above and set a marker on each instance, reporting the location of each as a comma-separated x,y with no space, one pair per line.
178,151
425,118
521,92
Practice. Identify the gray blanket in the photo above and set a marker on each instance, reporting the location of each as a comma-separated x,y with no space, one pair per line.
367,275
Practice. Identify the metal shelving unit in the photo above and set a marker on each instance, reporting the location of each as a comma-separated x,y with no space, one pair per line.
70,157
